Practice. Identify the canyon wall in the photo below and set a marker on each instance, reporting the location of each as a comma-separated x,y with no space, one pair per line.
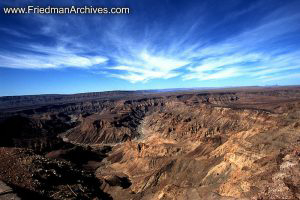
222,144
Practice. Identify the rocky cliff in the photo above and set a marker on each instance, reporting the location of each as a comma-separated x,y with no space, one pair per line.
220,144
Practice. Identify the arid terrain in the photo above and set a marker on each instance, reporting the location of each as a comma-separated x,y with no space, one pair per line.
231,143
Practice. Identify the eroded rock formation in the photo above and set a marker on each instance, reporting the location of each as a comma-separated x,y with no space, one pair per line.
229,144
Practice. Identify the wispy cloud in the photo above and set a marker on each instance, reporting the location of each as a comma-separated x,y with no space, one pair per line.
280,77
44,57
63,51
187,46
221,74
255,47
13,32
145,67
242,54
27,61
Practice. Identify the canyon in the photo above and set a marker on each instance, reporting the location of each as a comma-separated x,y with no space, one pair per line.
226,143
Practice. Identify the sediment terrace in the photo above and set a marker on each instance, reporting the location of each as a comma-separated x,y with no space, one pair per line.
237,143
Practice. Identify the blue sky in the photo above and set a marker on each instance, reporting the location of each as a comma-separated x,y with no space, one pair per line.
160,44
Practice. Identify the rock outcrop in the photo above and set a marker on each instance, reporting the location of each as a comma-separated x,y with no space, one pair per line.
219,144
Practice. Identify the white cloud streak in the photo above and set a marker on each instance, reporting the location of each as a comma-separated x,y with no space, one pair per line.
66,52
159,52
24,61
146,67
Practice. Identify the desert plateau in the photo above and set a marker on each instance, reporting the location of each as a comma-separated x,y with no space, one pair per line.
227,143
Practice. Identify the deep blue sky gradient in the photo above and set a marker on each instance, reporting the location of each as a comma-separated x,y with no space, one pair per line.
160,44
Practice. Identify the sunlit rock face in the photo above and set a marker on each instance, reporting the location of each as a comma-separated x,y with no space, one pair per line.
223,144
